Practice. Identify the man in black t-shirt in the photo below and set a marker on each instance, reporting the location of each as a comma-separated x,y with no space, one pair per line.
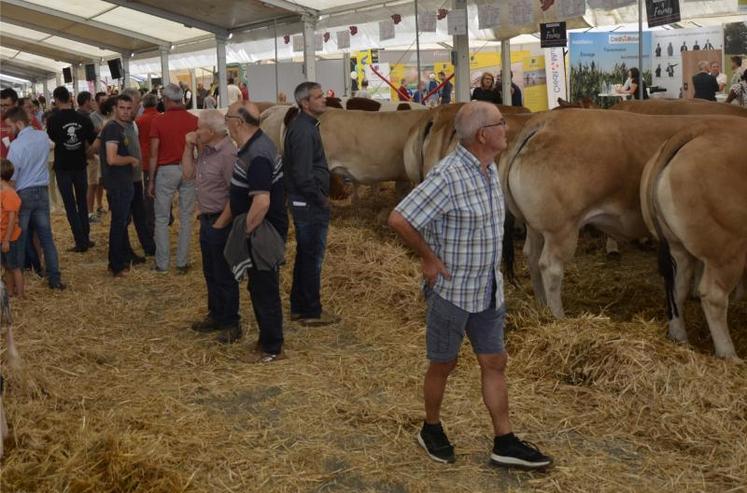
72,133
116,171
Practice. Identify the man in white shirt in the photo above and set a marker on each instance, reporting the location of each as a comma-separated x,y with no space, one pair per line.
234,93
720,77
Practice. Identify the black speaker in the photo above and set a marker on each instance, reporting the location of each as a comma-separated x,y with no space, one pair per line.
115,68
67,74
90,72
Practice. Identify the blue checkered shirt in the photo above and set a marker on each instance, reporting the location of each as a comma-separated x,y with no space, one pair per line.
460,212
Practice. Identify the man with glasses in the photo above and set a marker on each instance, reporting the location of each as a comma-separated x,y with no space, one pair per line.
257,190
454,221
307,181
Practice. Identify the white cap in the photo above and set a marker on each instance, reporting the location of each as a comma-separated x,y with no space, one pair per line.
432,76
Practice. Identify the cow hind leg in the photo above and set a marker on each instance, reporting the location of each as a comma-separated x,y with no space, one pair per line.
685,264
717,283
532,251
558,249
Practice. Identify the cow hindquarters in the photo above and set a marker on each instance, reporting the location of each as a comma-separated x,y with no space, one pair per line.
558,249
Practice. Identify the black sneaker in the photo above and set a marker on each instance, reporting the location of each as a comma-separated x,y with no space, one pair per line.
59,285
433,439
509,451
207,325
137,259
230,334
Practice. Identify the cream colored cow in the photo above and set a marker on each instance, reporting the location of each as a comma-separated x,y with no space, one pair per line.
694,201
571,168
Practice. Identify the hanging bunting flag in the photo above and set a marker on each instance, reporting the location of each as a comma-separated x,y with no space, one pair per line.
553,35
353,30
343,39
456,22
661,12
546,4
396,18
520,13
569,9
488,15
286,39
426,21
298,43
326,37
442,13
386,30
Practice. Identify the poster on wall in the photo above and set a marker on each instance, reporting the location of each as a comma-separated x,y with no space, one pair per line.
735,44
555,69
667,50
662,12
601,60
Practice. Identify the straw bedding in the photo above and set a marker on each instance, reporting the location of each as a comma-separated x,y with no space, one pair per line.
118,395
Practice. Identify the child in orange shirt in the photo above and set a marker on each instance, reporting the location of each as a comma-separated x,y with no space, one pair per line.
10,232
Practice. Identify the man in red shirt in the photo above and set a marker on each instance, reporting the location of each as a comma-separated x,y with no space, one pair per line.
167,139
144,123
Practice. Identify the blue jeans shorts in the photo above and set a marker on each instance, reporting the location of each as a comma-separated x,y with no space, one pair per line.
11,259
446,325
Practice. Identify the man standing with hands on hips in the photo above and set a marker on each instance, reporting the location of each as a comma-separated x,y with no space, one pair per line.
307,184
454,221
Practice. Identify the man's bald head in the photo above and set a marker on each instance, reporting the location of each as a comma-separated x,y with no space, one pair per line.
247,110
472,117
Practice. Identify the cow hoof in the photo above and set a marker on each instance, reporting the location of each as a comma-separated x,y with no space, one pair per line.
614,256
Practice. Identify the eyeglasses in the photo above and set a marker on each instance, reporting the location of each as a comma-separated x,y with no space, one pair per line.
501,123
228,117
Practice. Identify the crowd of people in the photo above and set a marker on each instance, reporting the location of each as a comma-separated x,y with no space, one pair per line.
244,190
437,91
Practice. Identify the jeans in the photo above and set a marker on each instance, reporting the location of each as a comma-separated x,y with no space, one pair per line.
222,288
150,212
168,182
264,290
35,211
73,186
138,215
120,200
311,223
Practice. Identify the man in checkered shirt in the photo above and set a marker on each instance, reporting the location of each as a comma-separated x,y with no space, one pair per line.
454,222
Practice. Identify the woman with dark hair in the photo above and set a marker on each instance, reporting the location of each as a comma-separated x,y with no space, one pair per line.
635,80
485,91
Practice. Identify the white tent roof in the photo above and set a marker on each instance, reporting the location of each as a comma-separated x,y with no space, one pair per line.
69,31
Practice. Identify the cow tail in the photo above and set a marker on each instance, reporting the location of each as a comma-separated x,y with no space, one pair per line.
652,215
512,209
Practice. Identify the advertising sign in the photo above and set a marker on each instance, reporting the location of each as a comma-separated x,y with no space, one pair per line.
552,35
662,12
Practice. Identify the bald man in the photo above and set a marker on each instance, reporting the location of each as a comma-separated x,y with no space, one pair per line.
454,222
257,189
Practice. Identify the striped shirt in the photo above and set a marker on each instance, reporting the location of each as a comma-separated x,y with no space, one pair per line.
460,212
